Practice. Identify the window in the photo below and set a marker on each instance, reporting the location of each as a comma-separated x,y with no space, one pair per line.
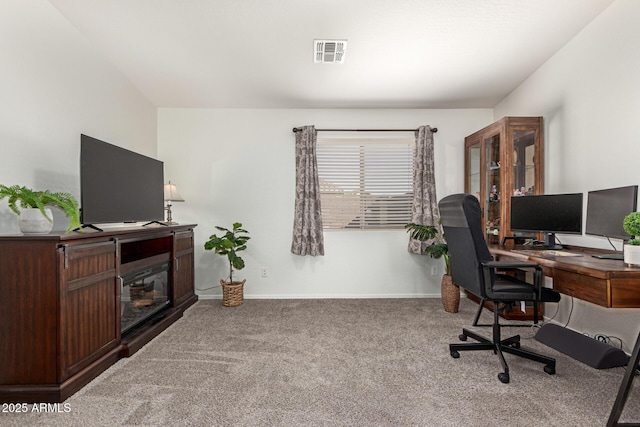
365,183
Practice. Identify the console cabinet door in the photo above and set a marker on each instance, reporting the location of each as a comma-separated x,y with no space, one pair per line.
89,304
183,277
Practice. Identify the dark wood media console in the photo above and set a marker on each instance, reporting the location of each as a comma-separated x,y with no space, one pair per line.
60,304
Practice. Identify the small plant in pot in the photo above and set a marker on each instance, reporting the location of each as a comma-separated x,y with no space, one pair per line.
229,244
438,249
31,207
631,225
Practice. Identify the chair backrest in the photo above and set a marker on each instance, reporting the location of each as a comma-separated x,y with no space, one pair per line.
463,231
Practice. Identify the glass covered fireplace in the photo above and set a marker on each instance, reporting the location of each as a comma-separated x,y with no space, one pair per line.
144,294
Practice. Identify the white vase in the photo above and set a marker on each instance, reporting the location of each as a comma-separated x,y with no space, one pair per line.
632,254
33,222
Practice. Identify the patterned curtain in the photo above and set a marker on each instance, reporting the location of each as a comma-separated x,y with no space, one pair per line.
425,203
307,226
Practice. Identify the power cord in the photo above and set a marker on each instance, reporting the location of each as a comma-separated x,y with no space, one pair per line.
570,313
208,289
535,326
212,287
607,340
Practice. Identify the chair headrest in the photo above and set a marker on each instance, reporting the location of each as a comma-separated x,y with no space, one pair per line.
457,208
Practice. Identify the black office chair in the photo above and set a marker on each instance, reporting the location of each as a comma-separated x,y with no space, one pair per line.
473,268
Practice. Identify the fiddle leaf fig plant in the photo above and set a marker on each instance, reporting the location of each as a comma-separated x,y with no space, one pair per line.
229,244
631,225
438,249
20,197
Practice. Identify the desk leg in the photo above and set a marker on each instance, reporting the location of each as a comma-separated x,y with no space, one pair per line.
625,388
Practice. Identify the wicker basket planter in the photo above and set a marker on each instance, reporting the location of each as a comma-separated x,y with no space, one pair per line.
450,294
232,293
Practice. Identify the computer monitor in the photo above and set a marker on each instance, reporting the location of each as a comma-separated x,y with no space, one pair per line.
549,214
606,210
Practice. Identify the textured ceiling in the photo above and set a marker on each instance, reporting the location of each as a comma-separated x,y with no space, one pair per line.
259,53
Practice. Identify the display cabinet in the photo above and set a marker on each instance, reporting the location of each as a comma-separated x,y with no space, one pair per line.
503,160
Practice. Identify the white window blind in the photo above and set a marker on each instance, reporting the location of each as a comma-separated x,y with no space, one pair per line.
365,183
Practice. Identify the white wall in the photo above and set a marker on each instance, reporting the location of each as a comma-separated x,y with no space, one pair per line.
54,87
589,95
238,165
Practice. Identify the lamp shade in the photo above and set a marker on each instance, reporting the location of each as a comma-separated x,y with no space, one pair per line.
171,193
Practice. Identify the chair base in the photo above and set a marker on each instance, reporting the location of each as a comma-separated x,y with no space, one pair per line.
509,345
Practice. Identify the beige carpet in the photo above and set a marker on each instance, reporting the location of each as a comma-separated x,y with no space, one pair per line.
379,362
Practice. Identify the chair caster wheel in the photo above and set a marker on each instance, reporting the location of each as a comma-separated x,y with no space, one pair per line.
455,354
462,337
503,377
549,369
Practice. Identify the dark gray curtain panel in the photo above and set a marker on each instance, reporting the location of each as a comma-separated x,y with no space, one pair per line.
425,203
308,238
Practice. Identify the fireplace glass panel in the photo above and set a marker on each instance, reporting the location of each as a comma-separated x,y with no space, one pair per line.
144,293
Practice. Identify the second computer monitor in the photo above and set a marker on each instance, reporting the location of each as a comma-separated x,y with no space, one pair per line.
606,210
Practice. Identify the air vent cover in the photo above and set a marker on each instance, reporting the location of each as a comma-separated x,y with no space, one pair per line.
329,51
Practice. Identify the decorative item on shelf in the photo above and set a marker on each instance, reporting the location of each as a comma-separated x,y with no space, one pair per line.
494,195
31,207
136,291
171,195
438,249
631,250
229,244
141,294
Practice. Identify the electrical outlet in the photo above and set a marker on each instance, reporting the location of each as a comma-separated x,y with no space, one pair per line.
434,270
264,272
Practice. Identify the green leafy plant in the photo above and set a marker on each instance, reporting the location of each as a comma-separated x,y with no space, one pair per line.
437,249
631,225
20,197
229,244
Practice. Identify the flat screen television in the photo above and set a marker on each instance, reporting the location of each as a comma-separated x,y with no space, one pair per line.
606,210
549,214
118,185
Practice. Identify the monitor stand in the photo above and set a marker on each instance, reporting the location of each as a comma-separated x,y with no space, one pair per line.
550,242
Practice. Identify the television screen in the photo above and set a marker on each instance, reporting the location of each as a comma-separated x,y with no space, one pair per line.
606,210
118,185
547,213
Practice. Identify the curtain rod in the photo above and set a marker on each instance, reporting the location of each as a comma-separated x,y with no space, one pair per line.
434,130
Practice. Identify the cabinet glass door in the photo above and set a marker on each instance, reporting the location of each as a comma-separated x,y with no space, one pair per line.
473,175
492,188
524,163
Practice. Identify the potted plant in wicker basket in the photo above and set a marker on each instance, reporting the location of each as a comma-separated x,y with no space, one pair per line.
438,249
631,225
229,244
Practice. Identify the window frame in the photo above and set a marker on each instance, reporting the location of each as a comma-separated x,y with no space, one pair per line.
394,207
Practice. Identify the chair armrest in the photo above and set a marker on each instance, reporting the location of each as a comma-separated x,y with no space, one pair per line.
517,265
511,264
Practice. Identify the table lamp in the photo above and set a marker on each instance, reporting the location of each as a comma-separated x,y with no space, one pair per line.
171,195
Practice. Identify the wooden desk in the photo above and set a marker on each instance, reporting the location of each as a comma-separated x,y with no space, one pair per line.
607,283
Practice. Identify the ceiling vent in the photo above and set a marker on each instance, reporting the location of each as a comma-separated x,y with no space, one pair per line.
329,51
